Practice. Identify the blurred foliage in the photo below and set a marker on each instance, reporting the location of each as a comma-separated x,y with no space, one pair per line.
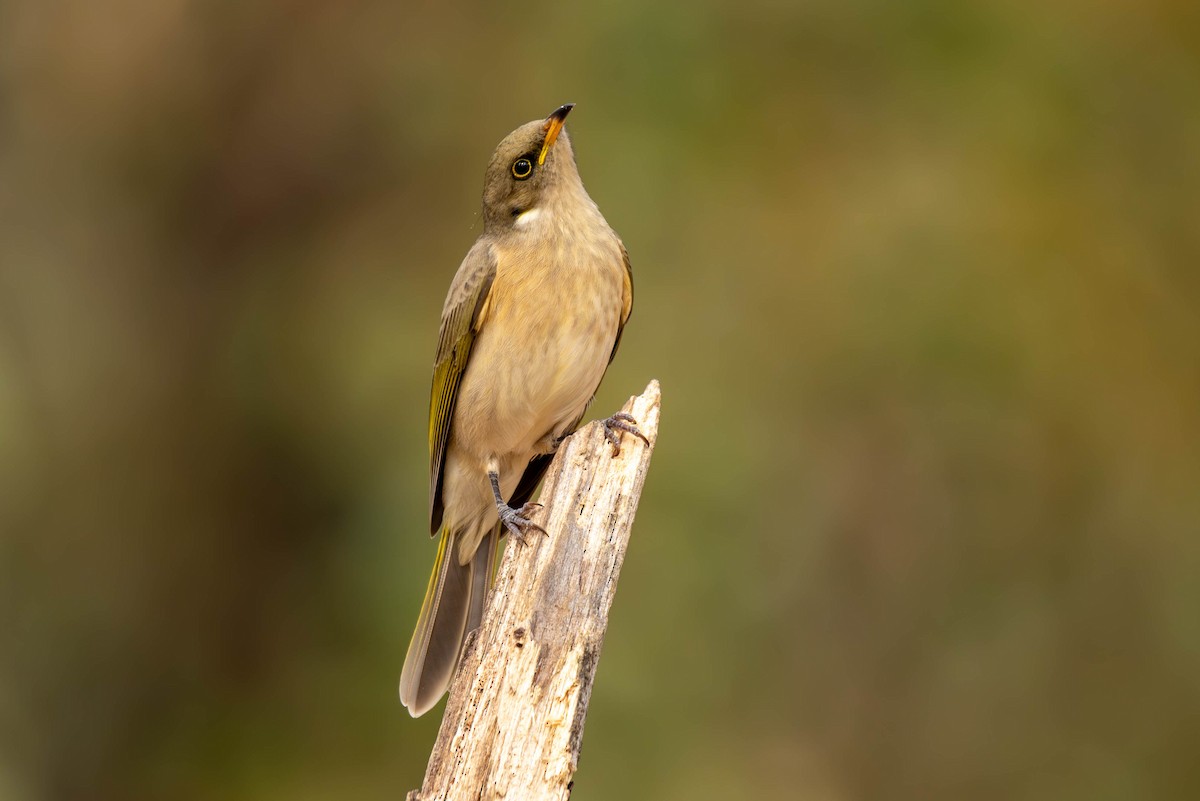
921,284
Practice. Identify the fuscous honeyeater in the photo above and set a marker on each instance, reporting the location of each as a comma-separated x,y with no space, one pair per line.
530,324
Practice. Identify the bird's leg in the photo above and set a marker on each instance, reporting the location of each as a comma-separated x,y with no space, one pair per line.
515,520
621,421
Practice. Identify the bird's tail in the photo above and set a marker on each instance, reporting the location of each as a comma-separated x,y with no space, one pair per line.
453,607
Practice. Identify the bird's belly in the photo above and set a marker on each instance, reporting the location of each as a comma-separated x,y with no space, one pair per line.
537,362
520,388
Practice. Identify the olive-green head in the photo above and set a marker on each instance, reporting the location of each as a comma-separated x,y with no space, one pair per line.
530,166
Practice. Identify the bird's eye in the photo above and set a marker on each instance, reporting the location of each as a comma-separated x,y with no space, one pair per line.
522,168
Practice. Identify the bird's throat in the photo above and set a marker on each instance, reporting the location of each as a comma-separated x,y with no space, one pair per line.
529,217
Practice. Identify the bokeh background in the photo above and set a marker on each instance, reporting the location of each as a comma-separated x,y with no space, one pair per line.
920,281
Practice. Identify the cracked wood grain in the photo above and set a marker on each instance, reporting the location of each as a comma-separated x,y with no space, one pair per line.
513,724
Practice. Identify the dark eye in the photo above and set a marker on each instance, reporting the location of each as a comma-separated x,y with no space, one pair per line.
522,168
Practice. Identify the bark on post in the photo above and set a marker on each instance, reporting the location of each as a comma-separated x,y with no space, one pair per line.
514,719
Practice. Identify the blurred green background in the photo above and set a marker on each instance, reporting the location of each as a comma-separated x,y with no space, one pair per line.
921,285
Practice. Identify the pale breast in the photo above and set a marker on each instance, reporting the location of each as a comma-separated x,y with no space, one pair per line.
547,334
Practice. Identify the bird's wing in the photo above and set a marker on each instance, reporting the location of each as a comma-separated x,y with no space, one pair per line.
461,318
626,300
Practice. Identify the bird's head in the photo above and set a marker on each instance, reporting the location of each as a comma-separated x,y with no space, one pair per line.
529,167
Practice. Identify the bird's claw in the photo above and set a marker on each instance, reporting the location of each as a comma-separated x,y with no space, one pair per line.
517,520
621,421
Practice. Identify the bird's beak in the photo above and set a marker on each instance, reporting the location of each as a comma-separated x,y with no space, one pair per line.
554,126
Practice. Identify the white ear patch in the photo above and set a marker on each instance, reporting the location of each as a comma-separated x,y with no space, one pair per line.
525,218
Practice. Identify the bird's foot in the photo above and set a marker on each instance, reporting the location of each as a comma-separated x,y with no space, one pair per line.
517,520
621,421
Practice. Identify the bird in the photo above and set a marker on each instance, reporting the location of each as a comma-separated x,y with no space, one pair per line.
531,321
